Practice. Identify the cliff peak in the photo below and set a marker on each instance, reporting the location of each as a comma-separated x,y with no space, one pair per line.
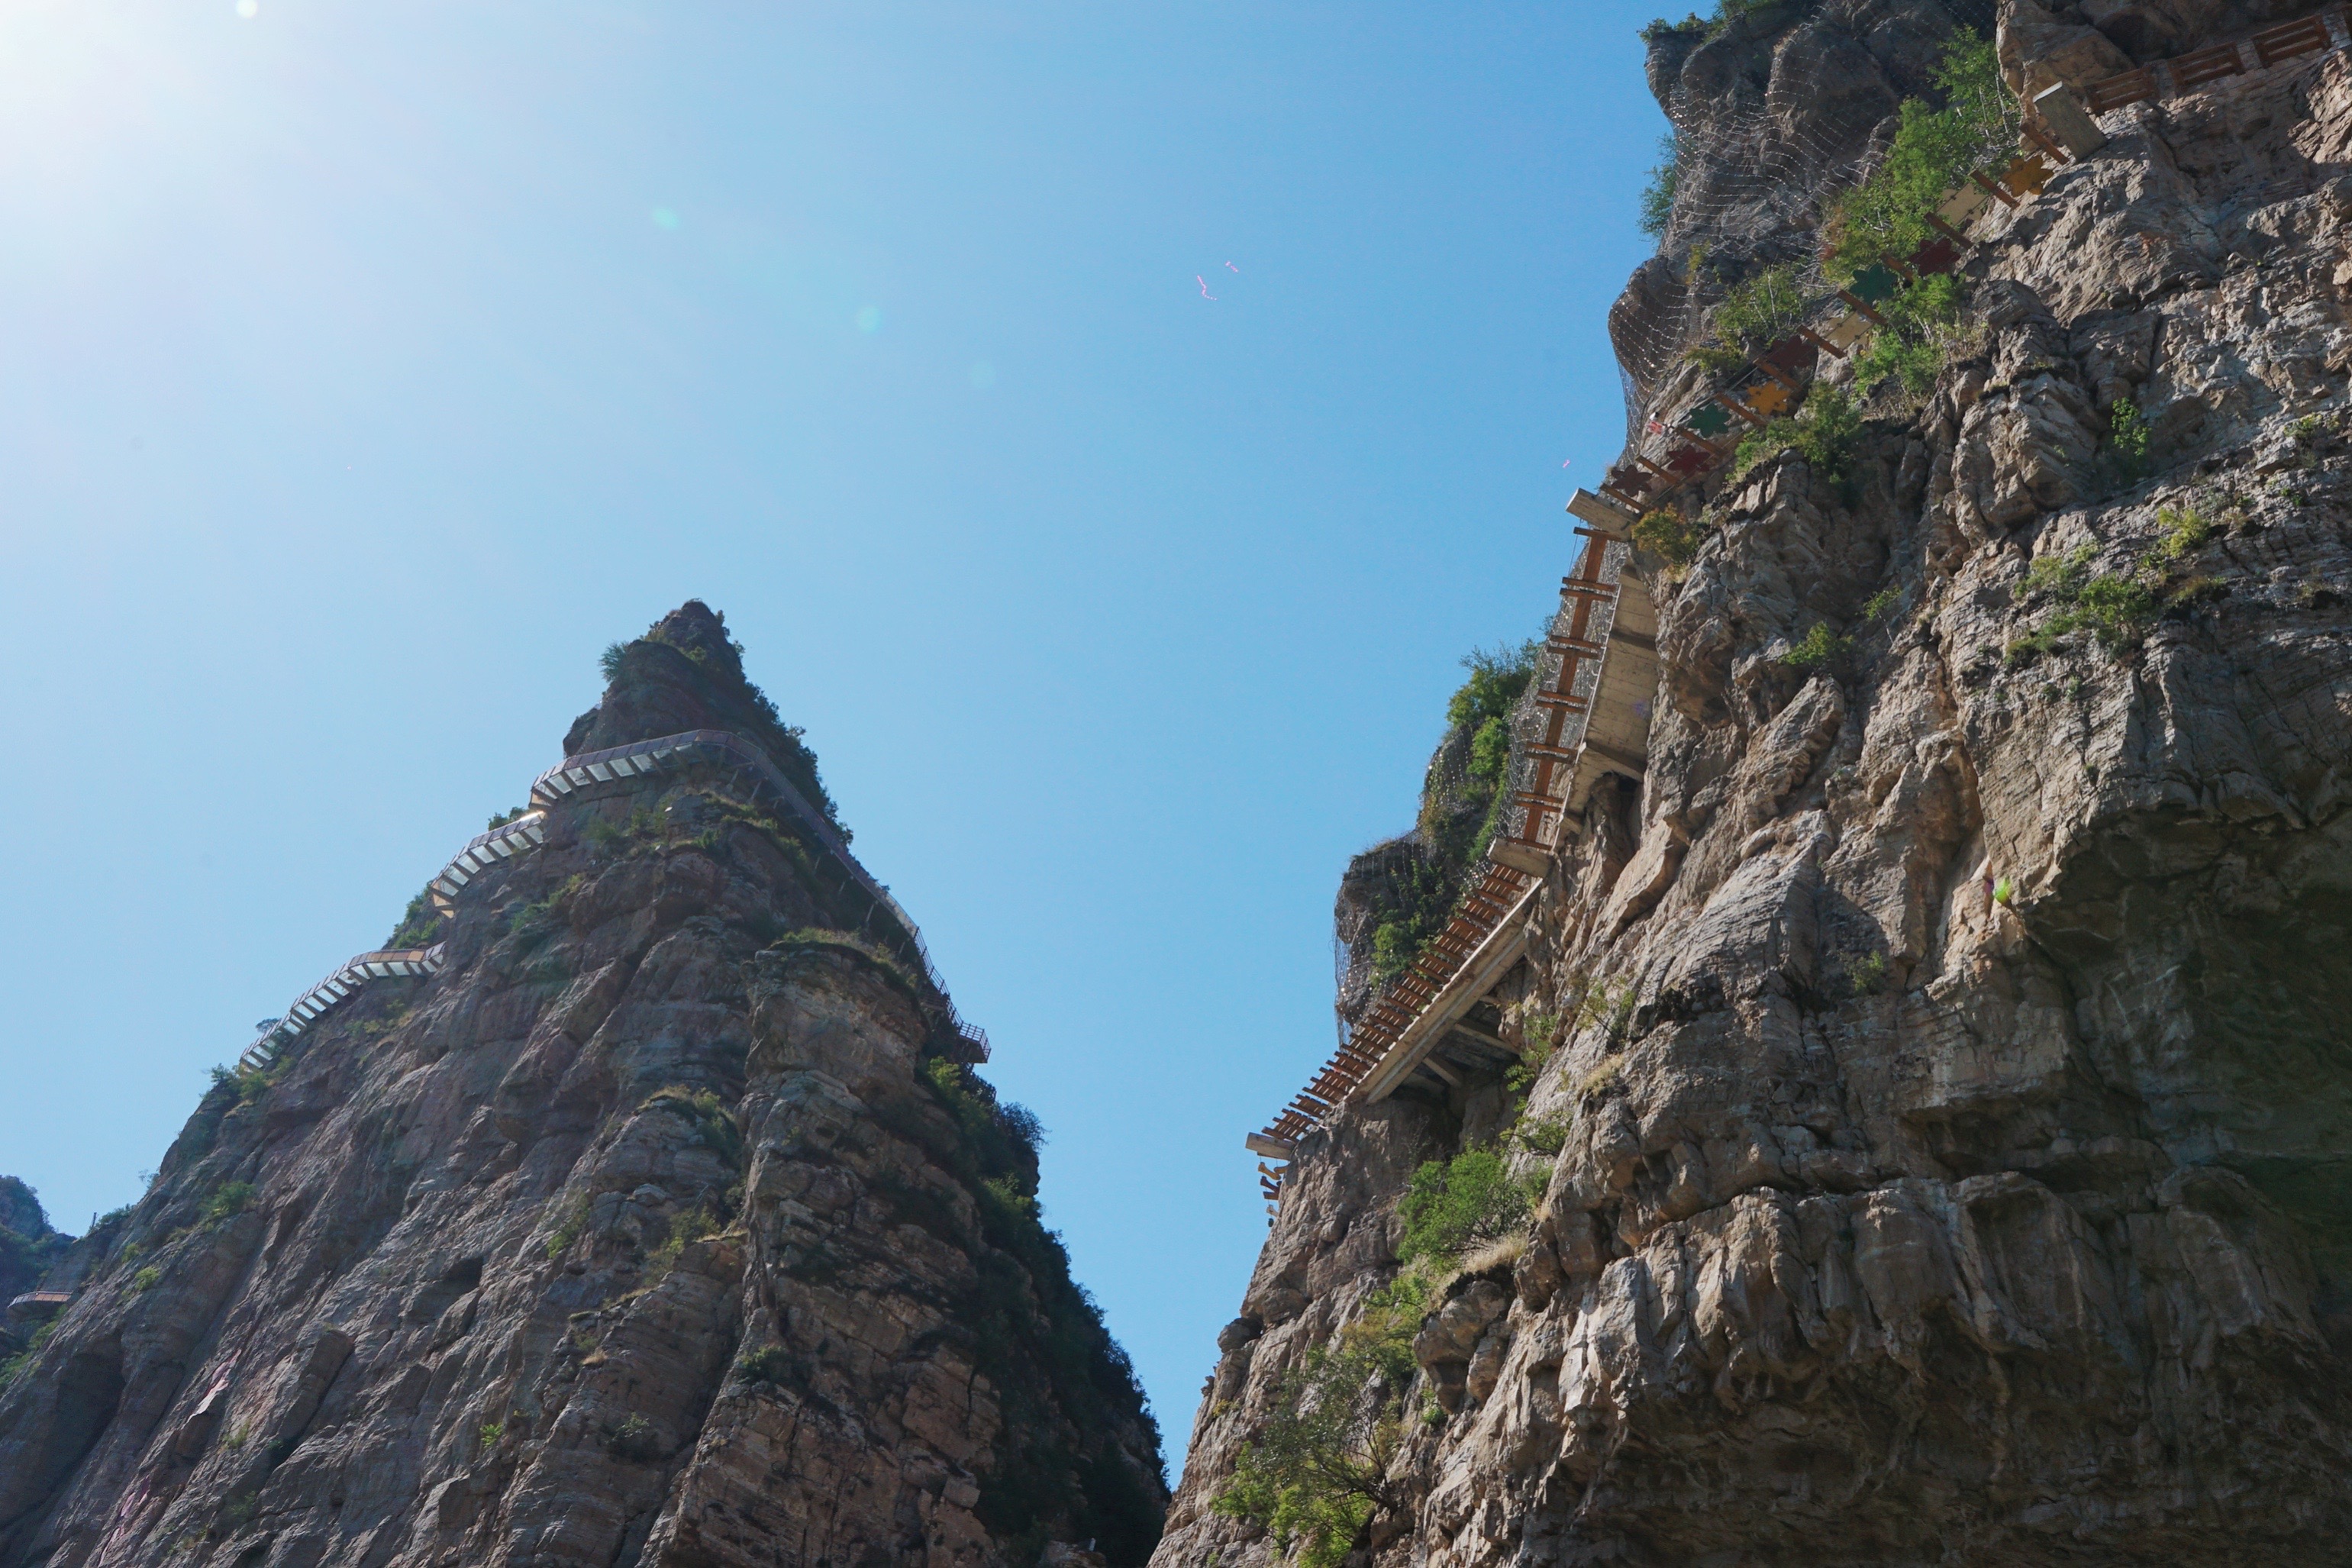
687,673
648,1217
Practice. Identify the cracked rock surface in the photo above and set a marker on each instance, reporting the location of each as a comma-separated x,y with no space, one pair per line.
1957,1159
650,1231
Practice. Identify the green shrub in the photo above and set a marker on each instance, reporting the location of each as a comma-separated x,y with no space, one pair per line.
1541,1033
1864,975
642,823
1315,1470
2114,609
227,1201
248,1084
1756,314
686,1227
1886,216
492,1434
1451,1206
2128,439
1914,343
1395,945
1726,13
715,1127
17,1364
2060,573
1006,1192
1827,430
1545,1135
567,1229
1658,196
1819,646
633,1440
534,922
770,1366
1482,705
420,925
1668,535
1762,445
2184,533
1880,603
611,660
1496,678
1460,811
146,1279
1490,751
1823,433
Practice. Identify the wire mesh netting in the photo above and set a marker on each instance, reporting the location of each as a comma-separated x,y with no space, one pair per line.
1756,172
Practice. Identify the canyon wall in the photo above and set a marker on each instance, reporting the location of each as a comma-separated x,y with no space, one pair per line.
1951,1099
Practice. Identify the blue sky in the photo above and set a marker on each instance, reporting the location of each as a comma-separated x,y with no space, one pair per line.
369,369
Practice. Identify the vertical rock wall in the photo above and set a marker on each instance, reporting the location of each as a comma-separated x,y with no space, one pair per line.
649,1231
1954,1065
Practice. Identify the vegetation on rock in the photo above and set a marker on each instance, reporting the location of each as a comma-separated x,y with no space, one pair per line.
1888,216
1453,1206
1313,1473
1823,433
1413,883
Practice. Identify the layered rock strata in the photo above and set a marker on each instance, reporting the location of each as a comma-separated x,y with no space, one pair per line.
656,1228
1952,1086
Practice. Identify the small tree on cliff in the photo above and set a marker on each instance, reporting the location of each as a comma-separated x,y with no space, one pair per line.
1316,1469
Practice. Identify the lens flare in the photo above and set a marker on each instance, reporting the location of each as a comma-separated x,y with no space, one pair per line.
869,320
665,220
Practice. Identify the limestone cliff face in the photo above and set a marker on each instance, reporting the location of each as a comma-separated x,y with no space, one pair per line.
654,1228
1957,1077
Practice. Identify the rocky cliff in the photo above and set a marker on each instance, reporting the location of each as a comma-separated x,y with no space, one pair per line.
662,1225
29,1250
1936,1089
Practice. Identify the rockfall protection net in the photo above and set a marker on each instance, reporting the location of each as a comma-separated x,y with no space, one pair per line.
1754,181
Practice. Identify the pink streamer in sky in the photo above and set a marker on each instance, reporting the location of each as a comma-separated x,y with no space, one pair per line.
1230,268
1205,286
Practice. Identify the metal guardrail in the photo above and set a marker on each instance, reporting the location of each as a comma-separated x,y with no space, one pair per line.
1554,754
484,850
528,831
322,998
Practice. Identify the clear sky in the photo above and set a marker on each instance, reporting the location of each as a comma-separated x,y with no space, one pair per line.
364,370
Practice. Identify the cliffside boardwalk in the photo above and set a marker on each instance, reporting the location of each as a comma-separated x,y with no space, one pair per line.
1590,715
746,763
1935,1153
